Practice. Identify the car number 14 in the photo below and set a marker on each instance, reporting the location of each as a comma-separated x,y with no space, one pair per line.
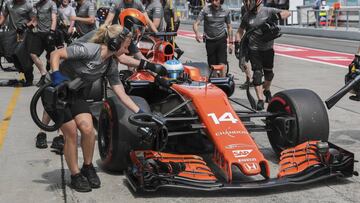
226,117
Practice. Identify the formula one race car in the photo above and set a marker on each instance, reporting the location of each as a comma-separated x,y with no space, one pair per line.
189,116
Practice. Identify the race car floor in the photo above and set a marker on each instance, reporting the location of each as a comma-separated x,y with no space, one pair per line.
28,174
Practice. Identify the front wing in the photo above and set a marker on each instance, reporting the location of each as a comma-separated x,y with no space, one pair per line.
196,175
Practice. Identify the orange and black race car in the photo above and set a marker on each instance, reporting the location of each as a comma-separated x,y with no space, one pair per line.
194,135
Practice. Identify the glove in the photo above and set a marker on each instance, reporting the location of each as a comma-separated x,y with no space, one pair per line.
140,111
237,49
156,68
57,78
51,38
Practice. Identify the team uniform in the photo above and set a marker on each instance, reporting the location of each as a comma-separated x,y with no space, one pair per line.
19,13
261,53
155,10
38,41
117,8
84,60
215,33
85,10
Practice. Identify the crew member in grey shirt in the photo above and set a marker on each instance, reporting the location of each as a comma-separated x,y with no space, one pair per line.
217,28
90,62
261,53
43,36
116,9
155,11
20,12
85,17
21,15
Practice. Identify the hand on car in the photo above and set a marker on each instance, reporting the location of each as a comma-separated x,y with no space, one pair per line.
156,68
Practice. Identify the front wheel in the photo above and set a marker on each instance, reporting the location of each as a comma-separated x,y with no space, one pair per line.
116,136
302,117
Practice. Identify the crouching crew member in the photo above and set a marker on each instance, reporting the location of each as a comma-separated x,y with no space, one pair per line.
217,28
260,45
90,61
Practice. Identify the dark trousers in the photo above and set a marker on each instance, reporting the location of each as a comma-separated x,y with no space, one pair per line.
216,51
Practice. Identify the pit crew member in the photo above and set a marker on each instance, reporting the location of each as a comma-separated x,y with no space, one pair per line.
261,53
89,61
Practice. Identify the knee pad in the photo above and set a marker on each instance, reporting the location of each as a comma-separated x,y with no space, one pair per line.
257,77
268,74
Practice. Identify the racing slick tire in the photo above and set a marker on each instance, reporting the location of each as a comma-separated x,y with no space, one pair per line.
116,136
303,117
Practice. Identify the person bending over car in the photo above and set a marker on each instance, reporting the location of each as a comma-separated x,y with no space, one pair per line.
261,52
89,61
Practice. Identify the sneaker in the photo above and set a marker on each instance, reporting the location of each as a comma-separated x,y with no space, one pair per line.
260,105
41,142
41,81
80,183
90,173
58,142
267,95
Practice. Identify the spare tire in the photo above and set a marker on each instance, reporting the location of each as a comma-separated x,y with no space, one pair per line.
302,117
116,136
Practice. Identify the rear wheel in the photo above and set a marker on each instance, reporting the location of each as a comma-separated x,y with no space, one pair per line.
116,136
303,117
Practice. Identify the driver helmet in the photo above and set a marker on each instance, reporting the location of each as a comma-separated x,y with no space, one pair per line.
174,68
251,5
134,21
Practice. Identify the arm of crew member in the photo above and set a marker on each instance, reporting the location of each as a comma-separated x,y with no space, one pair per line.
109,18
2,19
86,20
150,23
71,27
53,21
55,57
231,39
124,98
128,60
156,22
285,14
239,34
196,30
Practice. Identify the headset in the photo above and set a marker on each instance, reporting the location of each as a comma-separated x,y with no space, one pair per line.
114,43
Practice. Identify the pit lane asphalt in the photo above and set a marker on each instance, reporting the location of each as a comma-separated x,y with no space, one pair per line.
28,174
